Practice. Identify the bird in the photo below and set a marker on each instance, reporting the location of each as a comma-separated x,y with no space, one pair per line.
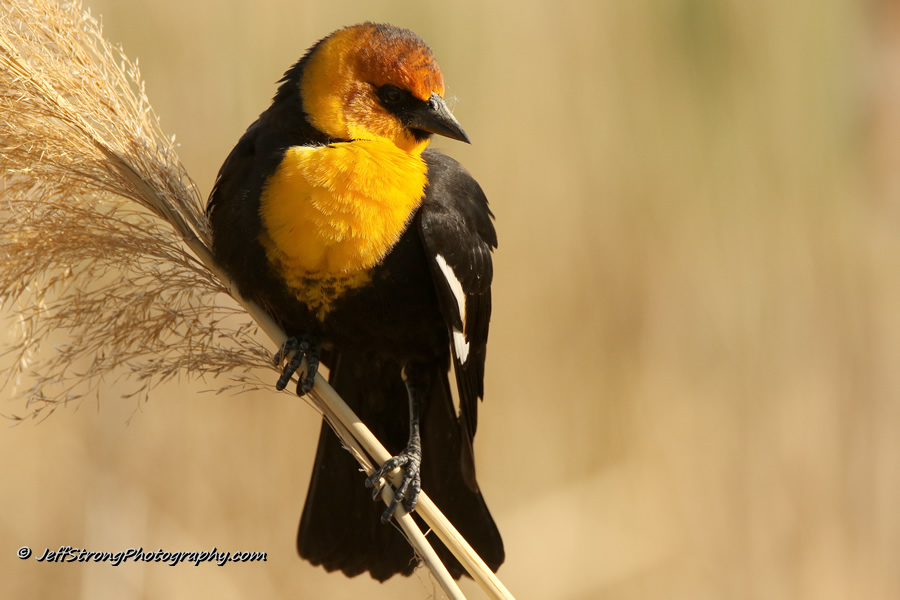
374,253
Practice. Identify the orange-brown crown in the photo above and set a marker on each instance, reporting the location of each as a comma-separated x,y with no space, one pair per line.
391,55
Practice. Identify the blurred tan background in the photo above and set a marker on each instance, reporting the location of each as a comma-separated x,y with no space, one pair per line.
694,372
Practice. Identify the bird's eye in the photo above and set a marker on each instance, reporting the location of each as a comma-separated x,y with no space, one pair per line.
390,95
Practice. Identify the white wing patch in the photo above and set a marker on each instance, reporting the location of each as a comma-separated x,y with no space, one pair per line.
460,344
455,287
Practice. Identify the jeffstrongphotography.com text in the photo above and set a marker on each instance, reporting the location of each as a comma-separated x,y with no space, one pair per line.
68,554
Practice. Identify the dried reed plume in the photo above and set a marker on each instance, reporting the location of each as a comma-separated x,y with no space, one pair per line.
95,208
104,244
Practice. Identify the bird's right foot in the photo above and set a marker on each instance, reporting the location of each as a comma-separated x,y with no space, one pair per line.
298,348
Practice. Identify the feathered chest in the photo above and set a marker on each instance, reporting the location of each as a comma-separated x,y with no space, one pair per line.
331,213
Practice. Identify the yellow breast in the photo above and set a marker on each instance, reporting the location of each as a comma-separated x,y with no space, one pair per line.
331,213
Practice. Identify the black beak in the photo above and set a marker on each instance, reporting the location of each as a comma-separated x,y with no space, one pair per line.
434,117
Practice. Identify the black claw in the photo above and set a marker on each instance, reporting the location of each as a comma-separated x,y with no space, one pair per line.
376,489
303,346
313,352
389,511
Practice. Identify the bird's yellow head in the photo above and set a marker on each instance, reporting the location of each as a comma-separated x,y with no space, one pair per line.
374,81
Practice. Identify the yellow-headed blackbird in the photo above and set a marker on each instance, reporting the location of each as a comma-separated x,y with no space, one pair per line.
374,253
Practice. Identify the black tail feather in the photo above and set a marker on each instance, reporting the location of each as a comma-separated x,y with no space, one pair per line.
340,527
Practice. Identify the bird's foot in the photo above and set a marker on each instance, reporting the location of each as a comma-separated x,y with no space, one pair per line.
410,460
296,349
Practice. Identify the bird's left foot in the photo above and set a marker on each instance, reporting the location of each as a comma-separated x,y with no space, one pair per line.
304,346
407,494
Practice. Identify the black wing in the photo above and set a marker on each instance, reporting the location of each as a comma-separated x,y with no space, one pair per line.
458,234
233,208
